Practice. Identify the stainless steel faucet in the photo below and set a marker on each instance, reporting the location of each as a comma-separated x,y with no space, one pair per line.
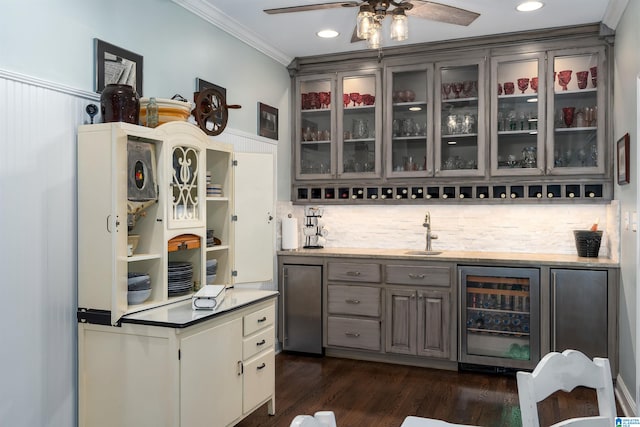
430,237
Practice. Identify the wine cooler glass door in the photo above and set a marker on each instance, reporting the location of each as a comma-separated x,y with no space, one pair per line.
500,316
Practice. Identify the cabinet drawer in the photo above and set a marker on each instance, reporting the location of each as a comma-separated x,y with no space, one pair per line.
419,275
354,333
259,380
354,300
256,343
354,272
259,320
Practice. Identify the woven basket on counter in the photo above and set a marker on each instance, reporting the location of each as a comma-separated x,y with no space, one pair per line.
588,242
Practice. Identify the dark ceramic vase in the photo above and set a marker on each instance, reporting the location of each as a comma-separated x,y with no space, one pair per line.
120,103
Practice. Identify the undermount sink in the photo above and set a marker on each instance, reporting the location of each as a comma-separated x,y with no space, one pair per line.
423,252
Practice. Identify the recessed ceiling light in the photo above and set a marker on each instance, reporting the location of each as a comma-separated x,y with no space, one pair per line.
529,6
327,34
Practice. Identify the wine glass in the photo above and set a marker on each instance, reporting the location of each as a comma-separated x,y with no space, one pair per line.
582,79
567,115
324,99
534,84
508,88
456,88
564,77
467,88
355,97
594,76
345,99
446,90
523,84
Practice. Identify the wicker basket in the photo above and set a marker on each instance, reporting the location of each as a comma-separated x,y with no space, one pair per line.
588,242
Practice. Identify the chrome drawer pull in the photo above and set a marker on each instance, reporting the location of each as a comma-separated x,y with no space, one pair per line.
263,342
416,276
352,334
353,273
352,301
264,319
261,366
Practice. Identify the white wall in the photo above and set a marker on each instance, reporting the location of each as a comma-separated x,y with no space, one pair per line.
46,80
625,119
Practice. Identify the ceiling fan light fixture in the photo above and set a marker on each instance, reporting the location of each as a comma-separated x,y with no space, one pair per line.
365,21
529,6
375,36
399,25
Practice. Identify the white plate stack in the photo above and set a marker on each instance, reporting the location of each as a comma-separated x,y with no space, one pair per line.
180,278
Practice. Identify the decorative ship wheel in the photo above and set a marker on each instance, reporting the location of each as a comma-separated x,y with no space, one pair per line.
211,112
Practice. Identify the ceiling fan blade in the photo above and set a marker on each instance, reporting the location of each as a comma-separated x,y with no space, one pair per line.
354,36
312,7
441,12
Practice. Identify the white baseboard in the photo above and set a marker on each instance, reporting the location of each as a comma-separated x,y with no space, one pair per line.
625,398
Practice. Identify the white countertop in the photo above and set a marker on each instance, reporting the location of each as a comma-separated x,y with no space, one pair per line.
459,256
181,314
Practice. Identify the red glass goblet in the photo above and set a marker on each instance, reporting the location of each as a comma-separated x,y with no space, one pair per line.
457,88
523,84
509,88
594,76
305,101
356,98
567,115
345,99
564,77
499,89
446,90
534,84
314,100
582,79
324,99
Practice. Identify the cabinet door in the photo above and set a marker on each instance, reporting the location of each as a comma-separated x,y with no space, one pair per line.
433,323
517,115
401,321
315,133
186,190
576,122
579,311
254,228
359,125
211,375
259,380
459,118
408,124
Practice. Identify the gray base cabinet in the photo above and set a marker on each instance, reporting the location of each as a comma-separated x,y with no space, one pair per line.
583,306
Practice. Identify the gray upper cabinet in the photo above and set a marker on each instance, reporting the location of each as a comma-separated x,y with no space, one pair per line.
460,118
576,110
408,127
521,117
517,114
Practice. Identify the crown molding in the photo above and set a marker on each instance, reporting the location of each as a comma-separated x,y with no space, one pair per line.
613,13
213,15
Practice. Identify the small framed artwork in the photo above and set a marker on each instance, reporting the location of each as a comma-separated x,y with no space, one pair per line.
623,159
267,121
117,65
203,84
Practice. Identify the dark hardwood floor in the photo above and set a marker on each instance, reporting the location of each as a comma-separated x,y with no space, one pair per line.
369,394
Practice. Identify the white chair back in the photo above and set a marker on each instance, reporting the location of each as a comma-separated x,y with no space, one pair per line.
566,371
319,419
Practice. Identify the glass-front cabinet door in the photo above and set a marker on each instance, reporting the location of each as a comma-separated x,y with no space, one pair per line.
460,118
576,129
315,127
359,125
517,115
408,126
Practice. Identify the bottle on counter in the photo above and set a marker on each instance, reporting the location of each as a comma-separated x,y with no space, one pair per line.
152,113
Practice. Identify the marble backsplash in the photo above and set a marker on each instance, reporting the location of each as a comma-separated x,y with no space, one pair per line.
491,228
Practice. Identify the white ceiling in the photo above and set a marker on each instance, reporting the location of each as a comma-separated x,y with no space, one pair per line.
290,35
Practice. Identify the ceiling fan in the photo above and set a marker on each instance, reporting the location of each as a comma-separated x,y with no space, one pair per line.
372,13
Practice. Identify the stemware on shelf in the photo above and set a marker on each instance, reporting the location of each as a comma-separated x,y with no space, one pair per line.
534,84
345,99
582,79
567,115
564,77
594,76
509,88
523,84
446,90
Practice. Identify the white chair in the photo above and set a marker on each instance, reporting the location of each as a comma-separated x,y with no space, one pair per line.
319,419
428,422
566,371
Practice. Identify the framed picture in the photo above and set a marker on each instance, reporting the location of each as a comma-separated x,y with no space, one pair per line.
623,159
203,84
267,121
117,65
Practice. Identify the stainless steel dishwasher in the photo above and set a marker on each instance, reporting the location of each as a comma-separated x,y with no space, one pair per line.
302,308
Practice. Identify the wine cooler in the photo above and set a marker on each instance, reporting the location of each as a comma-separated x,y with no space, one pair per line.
499,316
